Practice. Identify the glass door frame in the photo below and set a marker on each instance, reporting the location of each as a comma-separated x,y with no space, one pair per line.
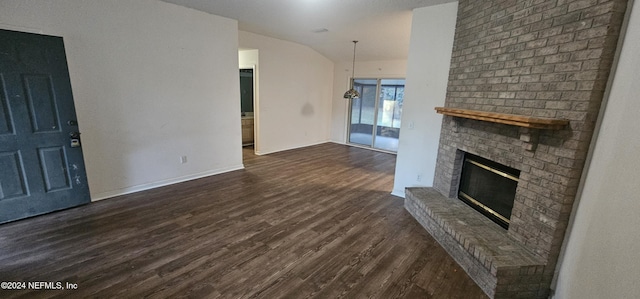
375,114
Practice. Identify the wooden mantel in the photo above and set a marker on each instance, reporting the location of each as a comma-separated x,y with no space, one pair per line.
504,118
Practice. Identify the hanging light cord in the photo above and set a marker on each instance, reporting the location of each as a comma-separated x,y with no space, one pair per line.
353,65
352,93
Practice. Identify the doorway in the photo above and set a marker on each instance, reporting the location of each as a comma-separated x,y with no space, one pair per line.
246,106
374,117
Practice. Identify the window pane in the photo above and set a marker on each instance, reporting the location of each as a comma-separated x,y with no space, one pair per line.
363,112
397,113
389,113
367,90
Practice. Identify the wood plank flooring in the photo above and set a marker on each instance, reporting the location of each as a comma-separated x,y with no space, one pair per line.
317,222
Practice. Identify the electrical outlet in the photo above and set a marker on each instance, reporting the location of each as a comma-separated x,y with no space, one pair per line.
411,125
419,178
183,159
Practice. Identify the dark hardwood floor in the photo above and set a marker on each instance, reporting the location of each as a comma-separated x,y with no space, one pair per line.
317,222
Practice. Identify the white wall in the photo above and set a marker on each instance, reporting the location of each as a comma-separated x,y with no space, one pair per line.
296,84
601,257
152,81
341,77
432,32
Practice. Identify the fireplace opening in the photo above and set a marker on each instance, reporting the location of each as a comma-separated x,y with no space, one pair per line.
488,187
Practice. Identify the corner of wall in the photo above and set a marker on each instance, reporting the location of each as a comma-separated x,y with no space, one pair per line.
432,33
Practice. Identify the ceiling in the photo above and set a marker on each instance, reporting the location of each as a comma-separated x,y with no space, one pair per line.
382,27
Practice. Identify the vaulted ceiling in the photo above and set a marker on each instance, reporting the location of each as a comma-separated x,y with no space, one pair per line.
382,27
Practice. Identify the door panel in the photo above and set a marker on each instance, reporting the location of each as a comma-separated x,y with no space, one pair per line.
6,122
53,161
12,178
41,102
39,170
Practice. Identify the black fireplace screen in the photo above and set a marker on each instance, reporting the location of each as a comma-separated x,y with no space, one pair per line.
488,187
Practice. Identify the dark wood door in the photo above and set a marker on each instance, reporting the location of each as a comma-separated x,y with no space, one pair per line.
41,163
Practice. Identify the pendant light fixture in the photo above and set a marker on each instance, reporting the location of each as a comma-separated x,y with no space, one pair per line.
352,93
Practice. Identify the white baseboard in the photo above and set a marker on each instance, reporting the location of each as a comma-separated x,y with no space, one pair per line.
398,193
291,148
148,186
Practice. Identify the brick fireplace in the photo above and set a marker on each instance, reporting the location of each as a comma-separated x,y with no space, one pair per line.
545,60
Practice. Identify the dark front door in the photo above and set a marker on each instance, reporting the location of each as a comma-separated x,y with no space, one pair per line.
41,164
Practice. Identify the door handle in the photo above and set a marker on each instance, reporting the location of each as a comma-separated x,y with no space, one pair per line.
74,139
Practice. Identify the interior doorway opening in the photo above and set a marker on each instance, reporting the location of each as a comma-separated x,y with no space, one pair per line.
247,106
249,100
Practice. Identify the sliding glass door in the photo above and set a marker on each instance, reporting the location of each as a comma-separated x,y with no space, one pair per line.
375,116
363,110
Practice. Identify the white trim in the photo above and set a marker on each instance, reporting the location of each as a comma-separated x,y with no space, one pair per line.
375,149
364,147
153,185
347,115
398,193
292,148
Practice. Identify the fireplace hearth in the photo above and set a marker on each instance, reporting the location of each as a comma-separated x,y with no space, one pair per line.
488,187
525,86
